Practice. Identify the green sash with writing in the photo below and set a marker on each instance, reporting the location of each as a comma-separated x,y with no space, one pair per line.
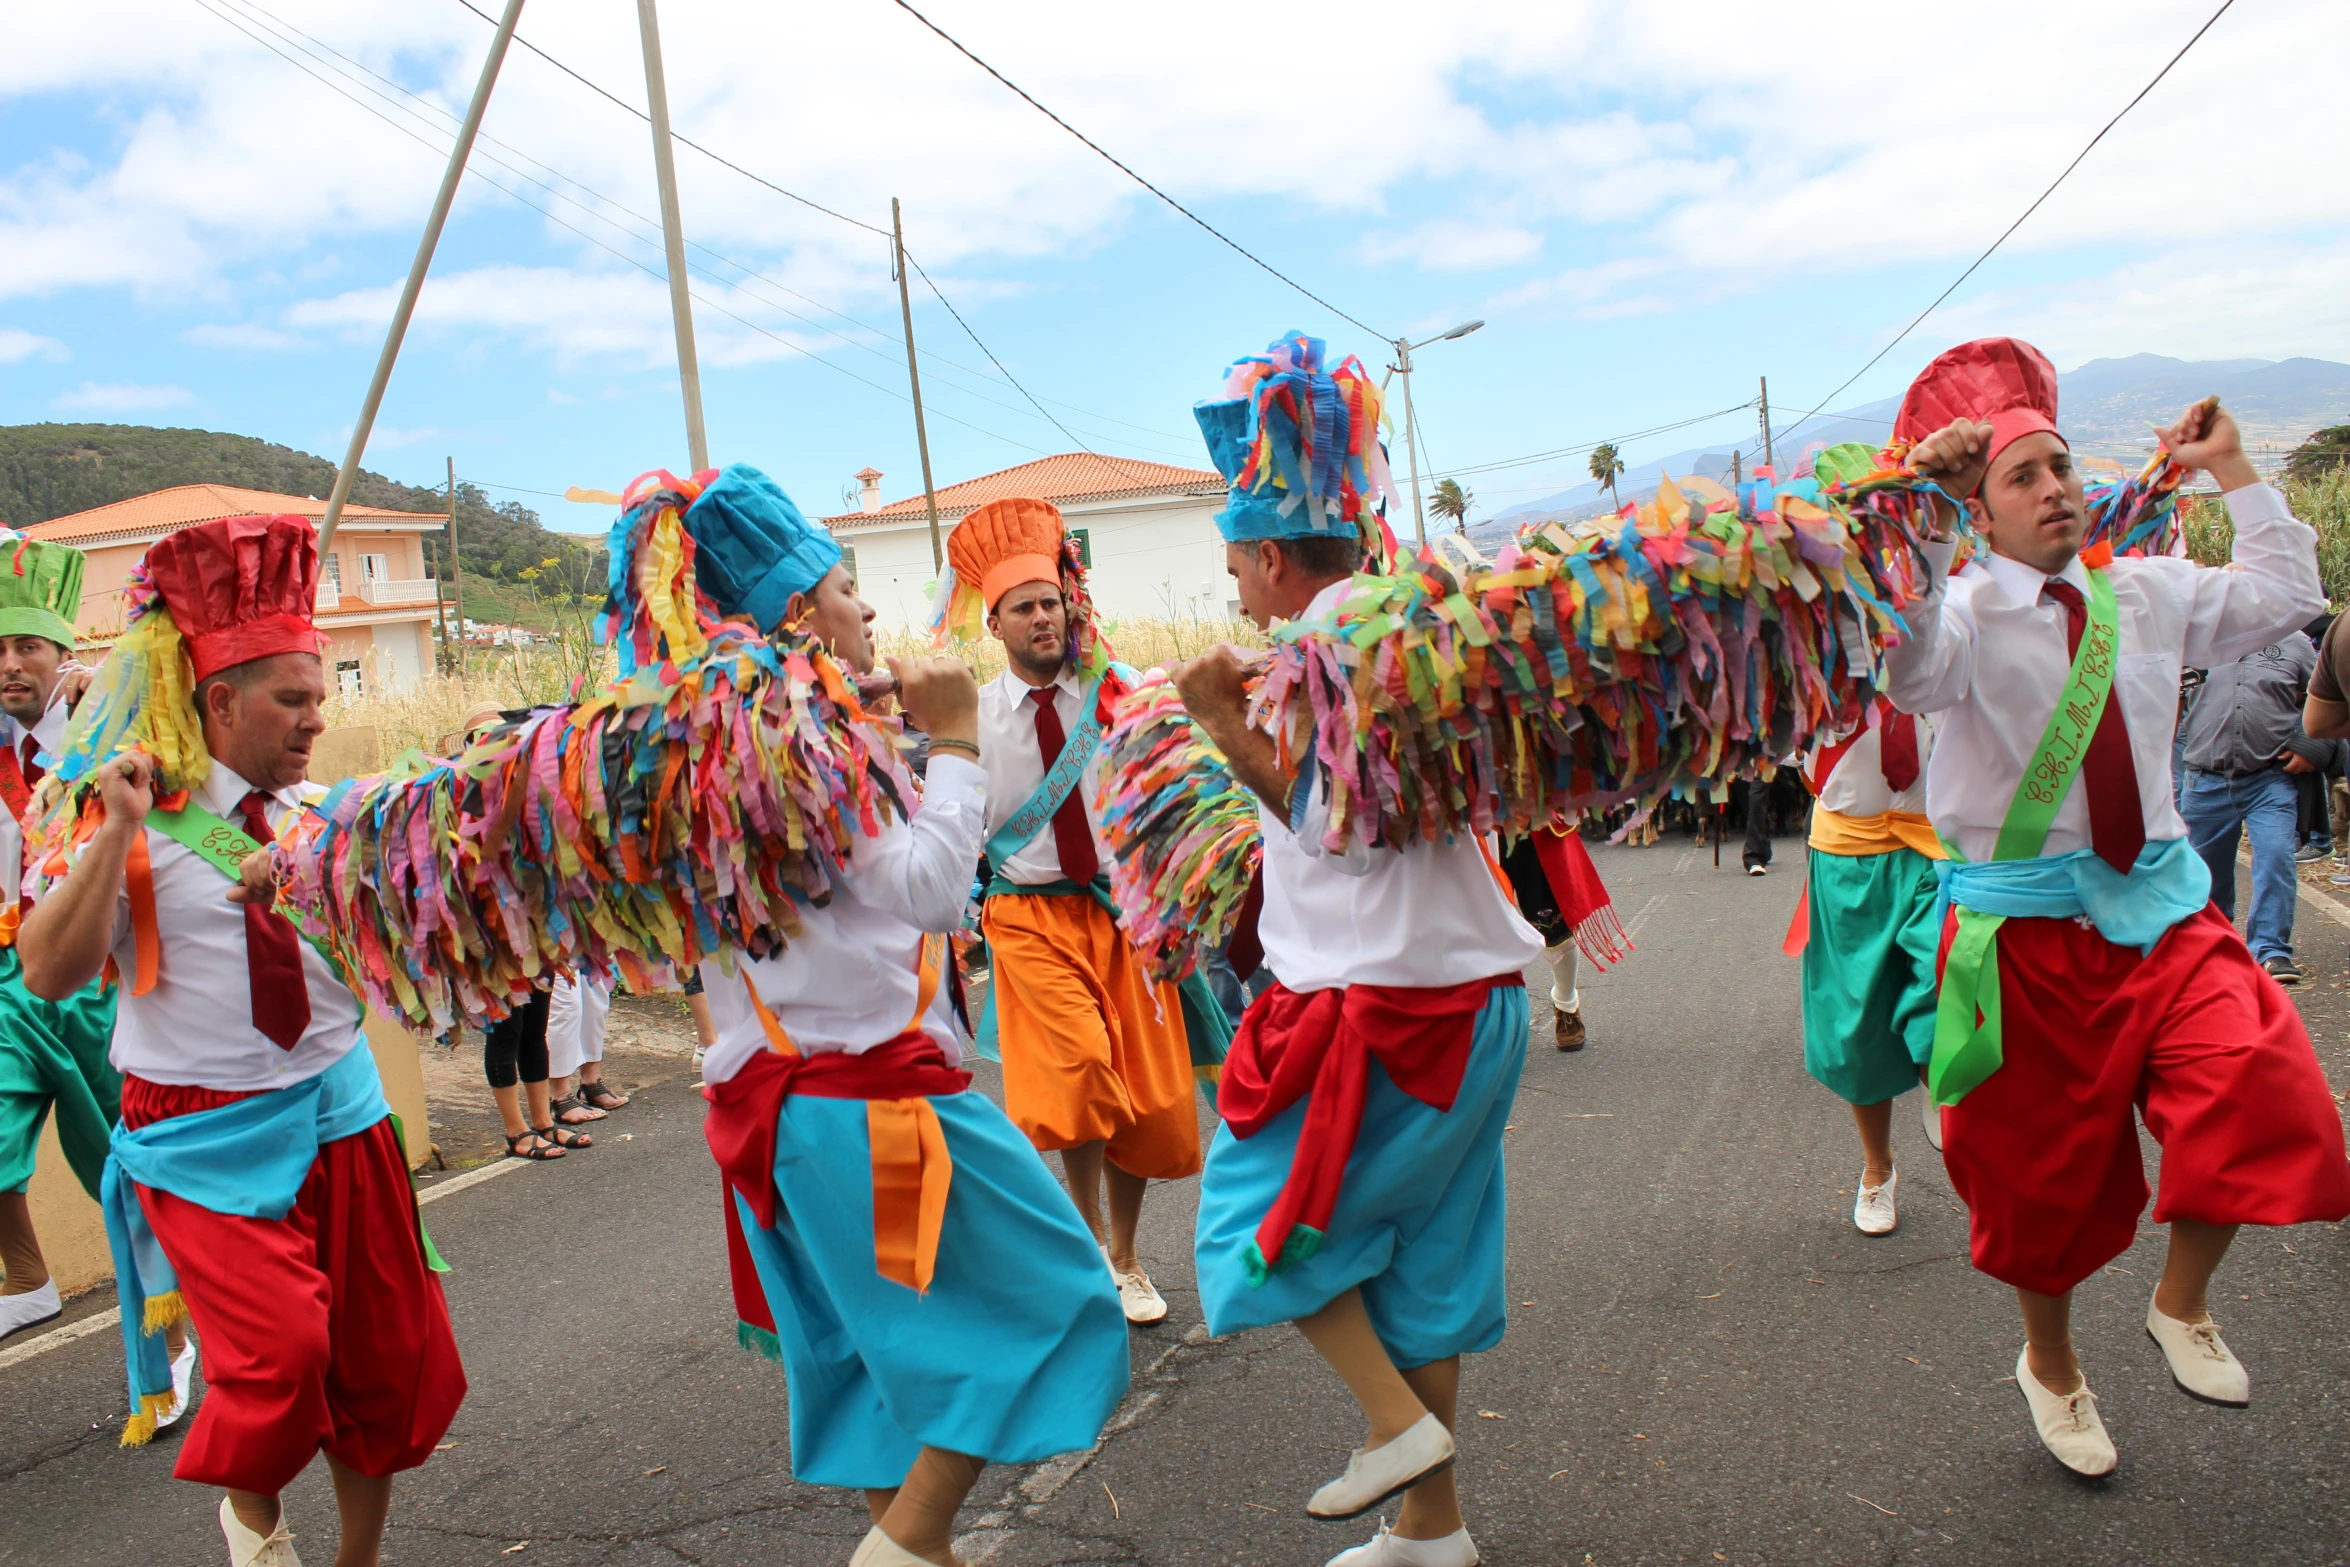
225,847
1966,1019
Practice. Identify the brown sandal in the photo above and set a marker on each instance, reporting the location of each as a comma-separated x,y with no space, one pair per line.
543,1148
563,1136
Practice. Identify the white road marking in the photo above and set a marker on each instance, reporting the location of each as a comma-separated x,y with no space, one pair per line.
101,1321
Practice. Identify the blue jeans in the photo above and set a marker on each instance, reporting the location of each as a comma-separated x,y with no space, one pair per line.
2218,810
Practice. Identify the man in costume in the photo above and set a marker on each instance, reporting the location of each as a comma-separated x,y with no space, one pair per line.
1559,892
2087,980
1356,1185
1097,1059
1868,930
256,1182
934,1300
52,1054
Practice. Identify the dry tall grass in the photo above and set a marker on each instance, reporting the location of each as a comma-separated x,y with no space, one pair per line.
422,716
2323,503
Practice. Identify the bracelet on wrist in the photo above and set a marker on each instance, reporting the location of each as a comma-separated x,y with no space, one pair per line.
968,747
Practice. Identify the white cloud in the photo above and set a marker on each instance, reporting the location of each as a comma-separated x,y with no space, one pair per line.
18,345
121,397
1448,246
240,335
1674,153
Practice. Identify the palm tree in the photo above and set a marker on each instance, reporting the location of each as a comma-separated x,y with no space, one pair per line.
1454,502
1605,465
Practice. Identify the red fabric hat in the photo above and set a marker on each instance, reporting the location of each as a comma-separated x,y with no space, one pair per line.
240,588
2002,379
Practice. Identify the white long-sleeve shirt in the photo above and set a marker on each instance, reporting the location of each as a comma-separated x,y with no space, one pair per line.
1856,785
1015,766
195,1028
850,979
49,735
1431,915
1987,656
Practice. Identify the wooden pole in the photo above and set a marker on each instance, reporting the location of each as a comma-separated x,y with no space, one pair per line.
897,233
1770,456
456,568
440,606
416,270
681,304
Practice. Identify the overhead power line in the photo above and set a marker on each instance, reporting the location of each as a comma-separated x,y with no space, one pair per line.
1591,446
1252,257
2017,224
257,23
675,135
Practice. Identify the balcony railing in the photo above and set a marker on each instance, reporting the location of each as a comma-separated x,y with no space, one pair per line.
381,593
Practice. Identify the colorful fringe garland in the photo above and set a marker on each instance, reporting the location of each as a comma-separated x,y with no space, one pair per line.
685,810
1183,835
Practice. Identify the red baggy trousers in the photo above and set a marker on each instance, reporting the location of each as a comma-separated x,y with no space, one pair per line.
323,1329
2194,1037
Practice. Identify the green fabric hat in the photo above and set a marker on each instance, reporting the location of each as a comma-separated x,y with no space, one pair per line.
40,588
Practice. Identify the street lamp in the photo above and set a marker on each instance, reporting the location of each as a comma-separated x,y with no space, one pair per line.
1403,367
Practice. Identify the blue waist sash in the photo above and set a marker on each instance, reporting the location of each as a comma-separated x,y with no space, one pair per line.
249,1159
2169,882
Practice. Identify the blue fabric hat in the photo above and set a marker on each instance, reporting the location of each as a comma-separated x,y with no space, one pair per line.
752,548
1298,445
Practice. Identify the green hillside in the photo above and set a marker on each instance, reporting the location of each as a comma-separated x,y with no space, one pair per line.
53,470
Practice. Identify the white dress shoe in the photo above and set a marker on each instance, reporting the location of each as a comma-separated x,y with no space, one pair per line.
1930,1116
1137,1296
1373,1474
1872,1210
2068,1423
247,1549
183,1371
1389,1549
2199,1360
879,1550
29,1309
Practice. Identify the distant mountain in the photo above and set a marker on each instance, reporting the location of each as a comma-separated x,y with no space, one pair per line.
54,470
2107,408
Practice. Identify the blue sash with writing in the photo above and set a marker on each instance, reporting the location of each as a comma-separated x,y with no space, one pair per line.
1021,828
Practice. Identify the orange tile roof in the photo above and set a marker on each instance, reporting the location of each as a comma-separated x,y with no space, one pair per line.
1066,479
165,511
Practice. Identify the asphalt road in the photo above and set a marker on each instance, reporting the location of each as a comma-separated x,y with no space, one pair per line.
1705,1363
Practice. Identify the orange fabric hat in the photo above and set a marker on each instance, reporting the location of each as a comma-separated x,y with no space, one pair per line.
1005,543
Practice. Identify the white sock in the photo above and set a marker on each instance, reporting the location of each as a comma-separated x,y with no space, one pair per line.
1563,992
1451,1551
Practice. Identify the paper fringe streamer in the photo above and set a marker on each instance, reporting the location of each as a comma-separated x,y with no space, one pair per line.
686,810
1182,832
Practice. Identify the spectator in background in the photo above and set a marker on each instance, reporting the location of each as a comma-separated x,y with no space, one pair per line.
514,1059
577,1013
2238,741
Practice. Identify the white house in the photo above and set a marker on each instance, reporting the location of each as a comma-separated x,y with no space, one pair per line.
1146,525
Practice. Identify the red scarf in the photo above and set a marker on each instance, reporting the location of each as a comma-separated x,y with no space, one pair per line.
742,1121
1318,1046
1584,905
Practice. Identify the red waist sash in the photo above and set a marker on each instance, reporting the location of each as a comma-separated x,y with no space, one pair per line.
1319,1046
911,1167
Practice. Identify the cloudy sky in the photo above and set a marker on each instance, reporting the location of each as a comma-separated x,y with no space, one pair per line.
206,208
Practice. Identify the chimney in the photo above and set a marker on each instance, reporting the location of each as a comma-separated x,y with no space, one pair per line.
869,490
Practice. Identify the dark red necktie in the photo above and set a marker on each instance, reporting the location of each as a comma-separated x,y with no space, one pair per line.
1897,749
30,768
1072,837
273,956
2117,818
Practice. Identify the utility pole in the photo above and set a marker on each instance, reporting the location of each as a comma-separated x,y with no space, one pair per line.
1769,455
897,240
440,606
456,568
681,305
416,270
1411,440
